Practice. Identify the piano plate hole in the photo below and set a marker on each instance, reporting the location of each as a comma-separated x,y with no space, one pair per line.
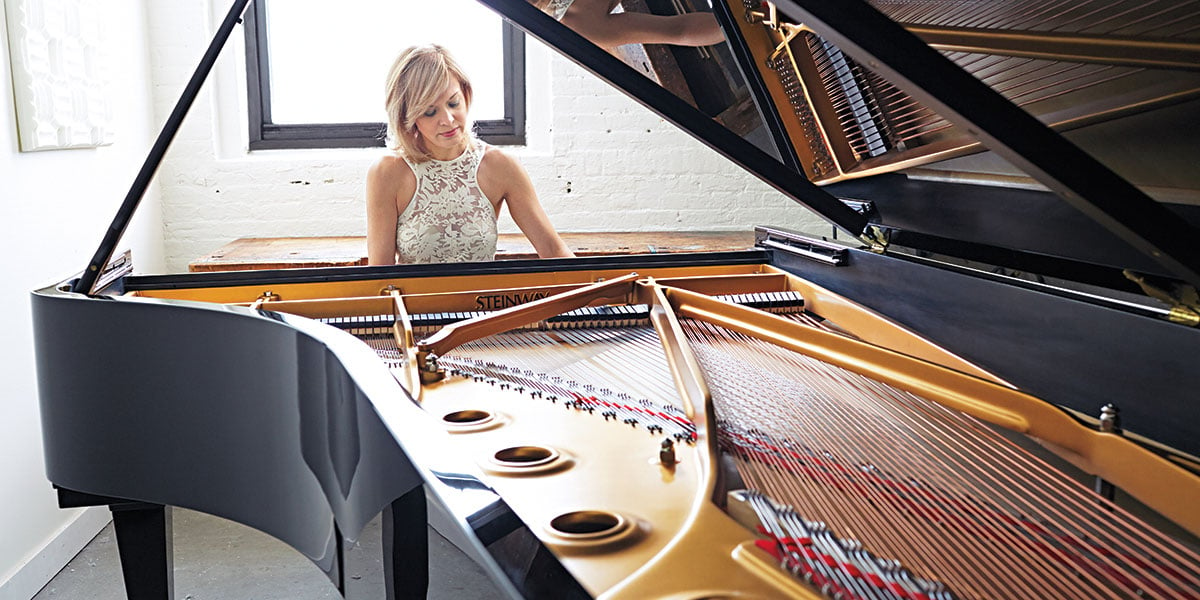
472,420
588,524
528,461
525,456
468,417
593,531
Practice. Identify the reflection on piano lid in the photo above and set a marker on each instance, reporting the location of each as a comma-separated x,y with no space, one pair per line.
633,427
1068,65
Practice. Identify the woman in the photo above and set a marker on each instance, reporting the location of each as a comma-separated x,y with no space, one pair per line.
596,21
435,197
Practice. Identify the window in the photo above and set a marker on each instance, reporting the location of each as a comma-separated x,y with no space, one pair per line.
315,70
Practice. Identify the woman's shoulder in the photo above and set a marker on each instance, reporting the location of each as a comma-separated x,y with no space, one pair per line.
496,159
500,174
390,168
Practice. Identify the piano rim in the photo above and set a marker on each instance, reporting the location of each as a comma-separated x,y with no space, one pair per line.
194,282
179,285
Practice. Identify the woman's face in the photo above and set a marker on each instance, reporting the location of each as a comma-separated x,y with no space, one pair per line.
443,124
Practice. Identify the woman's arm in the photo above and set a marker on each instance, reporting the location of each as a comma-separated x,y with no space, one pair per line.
388,180
594,20
501,176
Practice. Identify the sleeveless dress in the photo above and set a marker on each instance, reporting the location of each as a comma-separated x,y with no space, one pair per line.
558,8
448,219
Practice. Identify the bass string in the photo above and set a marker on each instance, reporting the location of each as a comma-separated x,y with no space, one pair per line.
987,507
1086,515
820,467
825,486
1000,489
1093,520
862,495
1058,537
982,509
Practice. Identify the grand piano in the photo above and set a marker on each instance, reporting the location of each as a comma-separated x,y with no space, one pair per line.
981,384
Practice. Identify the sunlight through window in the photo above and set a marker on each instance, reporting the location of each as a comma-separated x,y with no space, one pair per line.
329,61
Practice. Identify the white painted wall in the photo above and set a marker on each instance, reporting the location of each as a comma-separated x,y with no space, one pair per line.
54,207
600,161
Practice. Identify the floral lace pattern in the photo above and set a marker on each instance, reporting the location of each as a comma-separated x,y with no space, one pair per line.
558,8
449,219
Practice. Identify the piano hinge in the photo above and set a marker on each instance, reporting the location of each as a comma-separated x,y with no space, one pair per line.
1182,299
876,238
865,208
120,266
801,245
761,13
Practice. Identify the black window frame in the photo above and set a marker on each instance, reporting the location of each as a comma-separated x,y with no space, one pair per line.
266,135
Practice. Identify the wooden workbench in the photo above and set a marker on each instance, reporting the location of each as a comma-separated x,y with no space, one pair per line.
303,252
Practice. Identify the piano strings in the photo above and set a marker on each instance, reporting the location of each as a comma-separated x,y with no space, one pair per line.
911,480
917,499
590,376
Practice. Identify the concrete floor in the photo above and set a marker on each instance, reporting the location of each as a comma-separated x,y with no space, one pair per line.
216,559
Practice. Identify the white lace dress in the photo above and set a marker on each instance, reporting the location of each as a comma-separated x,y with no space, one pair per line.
558,8
449,219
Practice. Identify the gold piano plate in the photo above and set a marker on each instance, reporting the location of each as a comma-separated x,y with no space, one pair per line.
566,418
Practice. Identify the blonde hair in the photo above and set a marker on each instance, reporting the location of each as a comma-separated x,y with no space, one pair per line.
419,75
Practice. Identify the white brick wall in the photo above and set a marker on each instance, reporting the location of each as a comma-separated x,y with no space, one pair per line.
600,161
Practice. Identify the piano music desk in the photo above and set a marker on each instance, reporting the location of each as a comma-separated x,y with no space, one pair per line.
304,252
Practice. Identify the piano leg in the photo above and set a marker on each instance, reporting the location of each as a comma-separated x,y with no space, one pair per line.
144,542
145,545
406,546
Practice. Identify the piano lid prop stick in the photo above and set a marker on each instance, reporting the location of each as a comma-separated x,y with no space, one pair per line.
87,281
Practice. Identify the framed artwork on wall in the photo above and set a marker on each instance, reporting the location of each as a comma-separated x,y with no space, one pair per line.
61,84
